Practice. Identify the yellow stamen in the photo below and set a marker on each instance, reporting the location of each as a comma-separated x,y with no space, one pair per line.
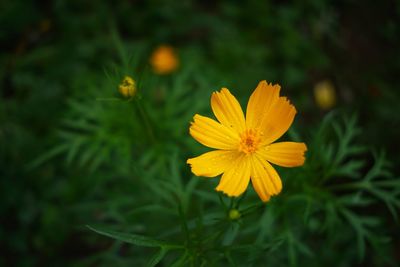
249,141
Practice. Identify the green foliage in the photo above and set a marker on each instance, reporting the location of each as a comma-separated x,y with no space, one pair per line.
133,239
289,228
345,190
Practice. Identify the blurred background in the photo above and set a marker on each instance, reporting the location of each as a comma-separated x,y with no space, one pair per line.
69,157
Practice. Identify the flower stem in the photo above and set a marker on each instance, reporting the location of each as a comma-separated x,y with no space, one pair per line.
348,186
146,120
253,208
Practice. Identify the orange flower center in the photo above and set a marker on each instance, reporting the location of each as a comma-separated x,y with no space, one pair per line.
249,141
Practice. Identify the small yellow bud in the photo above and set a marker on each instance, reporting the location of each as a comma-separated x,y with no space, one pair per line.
127,87
164,60
324,94
234,214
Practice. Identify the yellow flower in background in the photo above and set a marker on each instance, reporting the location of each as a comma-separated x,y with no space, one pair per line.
324,94
244,146
164,60
127,88
45,25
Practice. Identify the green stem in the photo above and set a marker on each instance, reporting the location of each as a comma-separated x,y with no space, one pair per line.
173,247
221,200
253,208
231,204
349,186
108,99
146,120
185,227
240,199
218,233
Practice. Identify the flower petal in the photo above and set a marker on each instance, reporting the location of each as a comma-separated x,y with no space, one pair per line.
235,180
260,102
267,112
278,120
212,163
265,179
285,154
227,110
213,134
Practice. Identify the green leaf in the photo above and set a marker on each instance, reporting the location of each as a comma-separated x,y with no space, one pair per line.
73,149
138,240
350,169
360,230
55,151
228,256
231,234
181,260
157,257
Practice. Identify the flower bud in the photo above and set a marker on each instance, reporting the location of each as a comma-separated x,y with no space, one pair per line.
127,87
324,94
234,214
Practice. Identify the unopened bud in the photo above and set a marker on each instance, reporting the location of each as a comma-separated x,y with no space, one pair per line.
234,214
325,96
127,87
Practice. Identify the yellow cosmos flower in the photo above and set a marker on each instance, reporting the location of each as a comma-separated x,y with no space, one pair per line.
164,60
245,146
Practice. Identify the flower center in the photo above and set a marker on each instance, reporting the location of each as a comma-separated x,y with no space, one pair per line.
249,141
